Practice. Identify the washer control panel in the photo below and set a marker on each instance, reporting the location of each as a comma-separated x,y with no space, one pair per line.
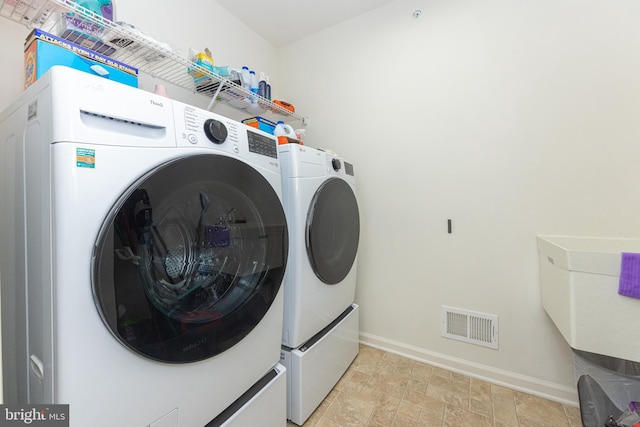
261,144
197,127
215,131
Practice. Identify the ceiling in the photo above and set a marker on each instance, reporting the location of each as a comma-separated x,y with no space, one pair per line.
284,21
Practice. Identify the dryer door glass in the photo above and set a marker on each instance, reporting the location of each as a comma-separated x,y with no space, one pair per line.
333,231
190,259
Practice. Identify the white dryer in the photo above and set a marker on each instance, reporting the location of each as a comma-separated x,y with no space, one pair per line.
321,327
143,244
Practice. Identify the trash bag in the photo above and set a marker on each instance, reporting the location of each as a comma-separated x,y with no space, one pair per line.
595,405
606,386
629,418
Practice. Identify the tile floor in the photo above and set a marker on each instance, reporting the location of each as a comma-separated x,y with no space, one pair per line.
382,389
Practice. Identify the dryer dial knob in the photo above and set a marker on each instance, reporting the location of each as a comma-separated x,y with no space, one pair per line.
215,130
336,164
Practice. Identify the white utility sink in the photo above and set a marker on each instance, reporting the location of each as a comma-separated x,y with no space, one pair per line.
579,279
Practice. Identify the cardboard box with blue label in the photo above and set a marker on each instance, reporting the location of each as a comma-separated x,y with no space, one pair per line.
44,50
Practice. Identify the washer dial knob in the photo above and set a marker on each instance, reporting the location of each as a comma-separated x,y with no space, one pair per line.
215,130
336,164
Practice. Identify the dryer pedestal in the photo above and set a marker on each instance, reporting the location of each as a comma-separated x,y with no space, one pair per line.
315,367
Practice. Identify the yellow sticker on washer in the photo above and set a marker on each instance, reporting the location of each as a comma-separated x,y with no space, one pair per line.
85,158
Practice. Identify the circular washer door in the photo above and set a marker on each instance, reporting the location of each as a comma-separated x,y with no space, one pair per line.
333,231
190,258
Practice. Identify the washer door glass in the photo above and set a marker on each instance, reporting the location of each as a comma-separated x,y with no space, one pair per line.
333,231
190,259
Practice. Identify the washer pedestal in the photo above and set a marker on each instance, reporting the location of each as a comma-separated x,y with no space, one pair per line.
262,405
315,367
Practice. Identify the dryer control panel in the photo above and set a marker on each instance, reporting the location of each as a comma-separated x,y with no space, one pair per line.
338,165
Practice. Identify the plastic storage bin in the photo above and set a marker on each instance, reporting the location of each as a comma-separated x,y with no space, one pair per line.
260,123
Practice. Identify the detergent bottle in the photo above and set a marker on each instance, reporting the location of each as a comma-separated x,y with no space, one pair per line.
280,133
246,78
253,82
268,96
262,85
290,132
284,133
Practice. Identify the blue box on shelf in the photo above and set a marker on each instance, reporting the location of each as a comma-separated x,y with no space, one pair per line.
44,50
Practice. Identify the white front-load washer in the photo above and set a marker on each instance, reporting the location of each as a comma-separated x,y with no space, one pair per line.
143,244
321,327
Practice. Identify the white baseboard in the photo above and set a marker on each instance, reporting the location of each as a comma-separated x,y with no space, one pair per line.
545,389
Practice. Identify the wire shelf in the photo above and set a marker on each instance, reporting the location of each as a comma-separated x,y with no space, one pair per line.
133,48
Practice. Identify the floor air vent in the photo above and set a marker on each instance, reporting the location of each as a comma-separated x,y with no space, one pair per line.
469,326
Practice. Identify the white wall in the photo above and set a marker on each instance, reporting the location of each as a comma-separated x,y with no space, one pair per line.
12,37
512,119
